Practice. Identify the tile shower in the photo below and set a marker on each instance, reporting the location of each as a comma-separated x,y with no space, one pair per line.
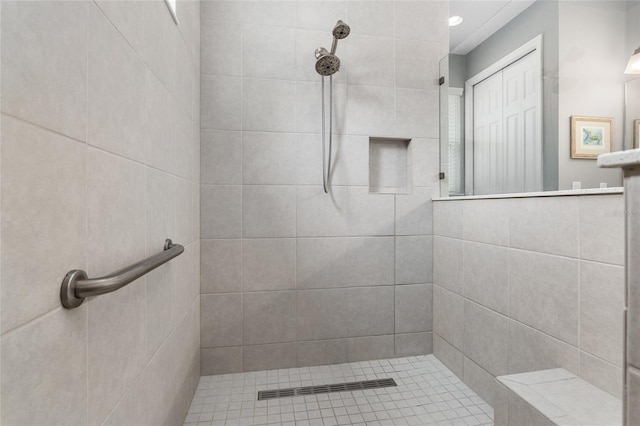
120,129
291,276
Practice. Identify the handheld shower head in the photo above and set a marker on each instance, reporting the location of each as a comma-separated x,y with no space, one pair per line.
326,63
340,31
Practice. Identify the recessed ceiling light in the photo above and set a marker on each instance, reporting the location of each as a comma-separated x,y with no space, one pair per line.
455,20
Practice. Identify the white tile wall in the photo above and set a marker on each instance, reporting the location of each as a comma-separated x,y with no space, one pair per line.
357,263
100,161
542,284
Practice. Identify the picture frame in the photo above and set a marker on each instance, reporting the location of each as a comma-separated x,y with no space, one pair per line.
591,136
636,134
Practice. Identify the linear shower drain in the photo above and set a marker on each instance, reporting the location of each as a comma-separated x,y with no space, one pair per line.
338,387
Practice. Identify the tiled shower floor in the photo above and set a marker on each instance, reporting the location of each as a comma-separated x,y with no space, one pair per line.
427,394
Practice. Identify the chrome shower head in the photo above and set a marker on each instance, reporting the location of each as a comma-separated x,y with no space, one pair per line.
326,63
341,30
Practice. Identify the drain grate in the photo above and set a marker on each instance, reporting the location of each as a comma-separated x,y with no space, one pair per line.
338,387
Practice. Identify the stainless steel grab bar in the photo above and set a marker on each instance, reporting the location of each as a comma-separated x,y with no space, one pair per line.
76,286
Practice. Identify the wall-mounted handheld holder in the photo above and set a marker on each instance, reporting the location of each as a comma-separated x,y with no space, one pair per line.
76,286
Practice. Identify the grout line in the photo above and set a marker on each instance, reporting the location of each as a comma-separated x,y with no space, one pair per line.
86,213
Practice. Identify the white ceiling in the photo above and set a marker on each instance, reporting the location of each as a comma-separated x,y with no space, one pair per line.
481,19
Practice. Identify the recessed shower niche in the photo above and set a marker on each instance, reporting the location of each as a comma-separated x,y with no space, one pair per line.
390,165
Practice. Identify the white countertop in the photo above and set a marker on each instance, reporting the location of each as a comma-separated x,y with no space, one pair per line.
562,193
630,157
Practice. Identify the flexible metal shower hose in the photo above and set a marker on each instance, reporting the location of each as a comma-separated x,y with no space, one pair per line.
326,162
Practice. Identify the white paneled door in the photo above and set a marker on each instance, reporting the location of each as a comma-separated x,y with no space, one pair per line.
507,146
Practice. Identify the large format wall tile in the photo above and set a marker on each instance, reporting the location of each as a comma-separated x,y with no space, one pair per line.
44,64
486,338
362,51
370,347
221,360
448,219
160,123
53,175
221,267
309,120
268,158
220,320
416,64
486,221
221,157
417,113
413,308
115,91
117,351
410,344
318,15
414,212
543,293
115,209
221,105
369,111
602,228
369,213
602,374
413,259
531,350
267,357
369,261
268,211
486,279
268,52
448,354
322,352
448,269
373,20
268,264
321,263
320,215
220,47
479,380
602,311
531,229
448,316
322,314
39,357
370,311
269,317
268,105
221,211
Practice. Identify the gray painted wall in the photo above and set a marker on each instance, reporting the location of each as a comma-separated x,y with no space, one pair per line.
457,70
587,89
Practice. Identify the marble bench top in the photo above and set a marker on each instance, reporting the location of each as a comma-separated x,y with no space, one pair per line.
564,398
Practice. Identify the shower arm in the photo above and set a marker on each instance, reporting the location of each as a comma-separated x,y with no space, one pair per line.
334,45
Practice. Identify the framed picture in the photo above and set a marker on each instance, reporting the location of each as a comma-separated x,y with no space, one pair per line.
590,136
636,133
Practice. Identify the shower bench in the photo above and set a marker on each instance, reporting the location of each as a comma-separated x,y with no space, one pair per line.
552,397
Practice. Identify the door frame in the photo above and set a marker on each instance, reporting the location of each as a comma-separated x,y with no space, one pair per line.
534,45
